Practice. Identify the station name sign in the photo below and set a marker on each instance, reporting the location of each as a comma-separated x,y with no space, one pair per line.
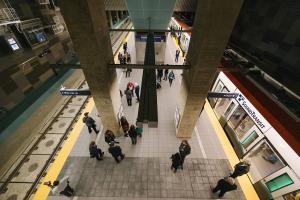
222,95
74,92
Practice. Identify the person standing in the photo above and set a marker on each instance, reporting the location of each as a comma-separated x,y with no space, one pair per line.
95,152
159,74
171,77
109,137
116,152
166,72
124,125
139,131
177,53
125,47
224,185
90,123
130,86
132,134
137,91
128,94
184,149
176,162
128,72
128,58
120,57
241,168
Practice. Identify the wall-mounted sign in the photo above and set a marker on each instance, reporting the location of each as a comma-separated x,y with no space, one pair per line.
74,92
222,95
177,117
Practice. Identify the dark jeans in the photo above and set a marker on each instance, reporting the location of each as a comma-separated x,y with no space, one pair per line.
219,187
137,95
117,158
133,140
127,74
99,155
94,128
170,81
176,58
129,102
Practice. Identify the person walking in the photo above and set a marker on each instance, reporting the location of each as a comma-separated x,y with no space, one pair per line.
184,149
124,125
171,77
224,185
137,91
128,72
109,137
90,123
176,162
241,168
166,72
95,152
177,53
132,134
116,152
128,94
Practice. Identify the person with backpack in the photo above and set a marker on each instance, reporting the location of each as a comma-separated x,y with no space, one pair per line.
139,131
224,185
116,152
129,95
241,168
184,149
171,77
95,152
176,162
90,123
132,134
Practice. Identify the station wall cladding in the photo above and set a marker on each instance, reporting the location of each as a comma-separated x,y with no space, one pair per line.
269,30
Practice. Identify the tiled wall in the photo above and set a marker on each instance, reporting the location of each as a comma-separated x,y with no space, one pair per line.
270,29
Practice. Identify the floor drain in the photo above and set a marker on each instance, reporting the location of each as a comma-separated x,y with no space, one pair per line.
13,197
49,143
61,125
72,110
33,167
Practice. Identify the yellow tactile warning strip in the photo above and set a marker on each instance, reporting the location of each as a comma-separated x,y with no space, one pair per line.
43,191
244,181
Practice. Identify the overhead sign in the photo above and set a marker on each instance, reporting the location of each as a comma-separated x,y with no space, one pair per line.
222,95
74,92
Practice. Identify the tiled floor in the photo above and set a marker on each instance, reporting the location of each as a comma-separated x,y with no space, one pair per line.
145,172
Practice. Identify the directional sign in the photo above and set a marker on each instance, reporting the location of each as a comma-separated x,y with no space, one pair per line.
222,95
74,92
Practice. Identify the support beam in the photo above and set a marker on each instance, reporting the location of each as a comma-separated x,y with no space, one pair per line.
87,25
213,24
152,30
138,66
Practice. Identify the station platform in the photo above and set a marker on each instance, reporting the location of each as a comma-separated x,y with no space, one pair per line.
145,172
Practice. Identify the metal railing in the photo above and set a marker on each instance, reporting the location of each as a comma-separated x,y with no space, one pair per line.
8,16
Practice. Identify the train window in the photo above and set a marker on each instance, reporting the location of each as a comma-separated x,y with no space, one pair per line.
279,182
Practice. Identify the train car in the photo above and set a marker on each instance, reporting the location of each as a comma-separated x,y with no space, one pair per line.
183,38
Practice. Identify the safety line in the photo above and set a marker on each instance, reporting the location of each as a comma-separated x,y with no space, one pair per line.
244,181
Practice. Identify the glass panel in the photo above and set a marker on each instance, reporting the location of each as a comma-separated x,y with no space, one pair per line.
246,143
279,182
264,161
218,88
229,109
292,196
244,127
235,119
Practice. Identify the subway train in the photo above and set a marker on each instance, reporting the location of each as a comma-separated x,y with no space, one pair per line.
184,38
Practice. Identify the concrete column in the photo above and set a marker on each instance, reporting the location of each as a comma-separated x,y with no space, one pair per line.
87,25
213,25
110,19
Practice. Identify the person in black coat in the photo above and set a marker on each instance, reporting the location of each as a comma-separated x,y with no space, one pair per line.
132,134
184,149
176,162
225,185
95,152
109,137
90,123
241,168
116,152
